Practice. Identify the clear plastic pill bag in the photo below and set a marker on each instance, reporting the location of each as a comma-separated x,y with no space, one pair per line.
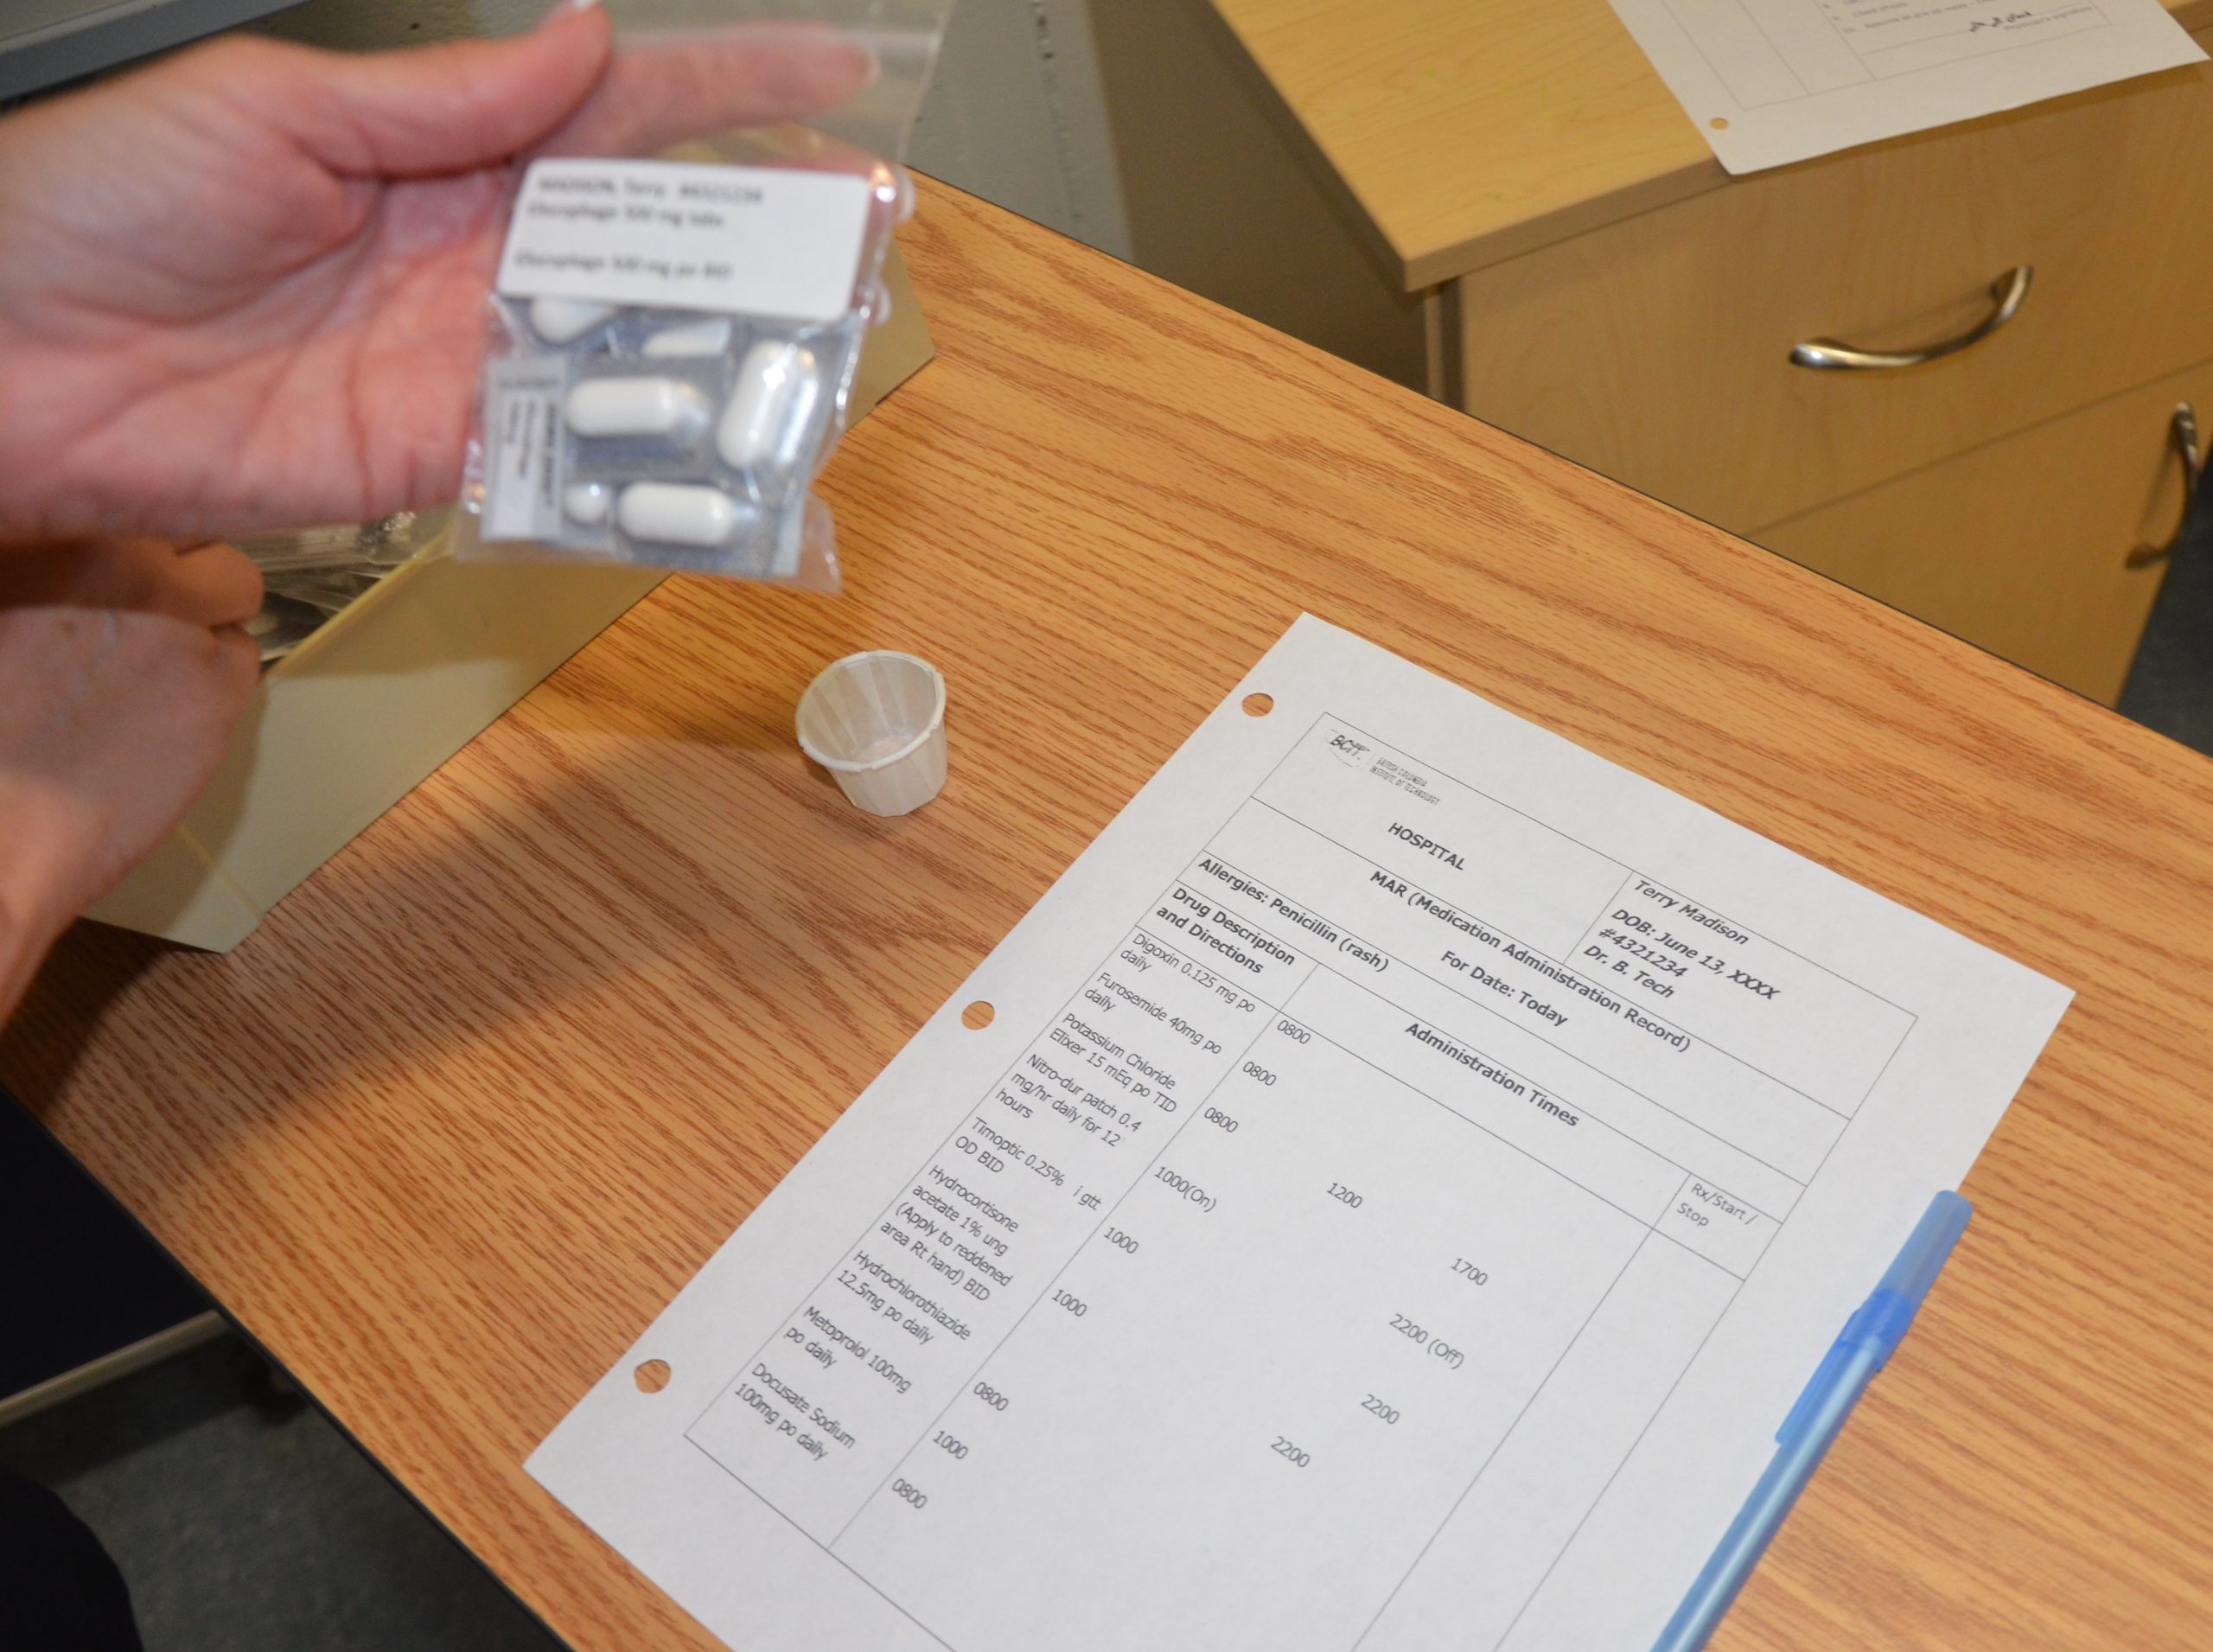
689,272
310,577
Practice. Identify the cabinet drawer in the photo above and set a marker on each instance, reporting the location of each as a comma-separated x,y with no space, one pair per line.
1656,350
2022,547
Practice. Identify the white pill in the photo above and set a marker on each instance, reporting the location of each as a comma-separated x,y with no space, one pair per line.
589,502
558,320
635,407
674,513
710,337
770,408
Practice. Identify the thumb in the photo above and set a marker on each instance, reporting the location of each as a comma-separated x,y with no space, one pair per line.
754,74
420,110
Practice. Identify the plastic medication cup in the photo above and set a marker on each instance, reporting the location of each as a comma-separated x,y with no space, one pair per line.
877,721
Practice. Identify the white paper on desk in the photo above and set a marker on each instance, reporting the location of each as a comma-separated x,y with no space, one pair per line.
1771,81
1413,1166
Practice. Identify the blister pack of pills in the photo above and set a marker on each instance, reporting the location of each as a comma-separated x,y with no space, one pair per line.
674,334
641,434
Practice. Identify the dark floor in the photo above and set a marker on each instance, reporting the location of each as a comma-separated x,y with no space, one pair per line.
240,1531
242,1520
2171,689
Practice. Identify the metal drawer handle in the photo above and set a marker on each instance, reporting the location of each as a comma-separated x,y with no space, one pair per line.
2183,428
2008,290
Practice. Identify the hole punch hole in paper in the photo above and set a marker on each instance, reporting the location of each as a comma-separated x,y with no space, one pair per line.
651,1377
978,1016
1720,123
1259,705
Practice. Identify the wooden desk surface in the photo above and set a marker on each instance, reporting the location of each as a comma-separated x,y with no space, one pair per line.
452,1128
1471,131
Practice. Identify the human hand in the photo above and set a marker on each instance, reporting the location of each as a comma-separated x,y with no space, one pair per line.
244,289
121,669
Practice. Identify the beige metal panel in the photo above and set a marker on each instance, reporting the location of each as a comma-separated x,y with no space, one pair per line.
45,44
1013,114
1227,198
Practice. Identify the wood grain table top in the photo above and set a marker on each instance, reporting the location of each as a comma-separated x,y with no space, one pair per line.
451,1128
1471,131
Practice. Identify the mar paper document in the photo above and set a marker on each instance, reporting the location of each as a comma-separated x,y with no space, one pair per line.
1771,81
1413,1168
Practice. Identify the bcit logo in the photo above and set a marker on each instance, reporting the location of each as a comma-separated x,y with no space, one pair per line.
1348,750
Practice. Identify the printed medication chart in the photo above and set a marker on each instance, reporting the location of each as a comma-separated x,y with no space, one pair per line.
1410,1169
1771,81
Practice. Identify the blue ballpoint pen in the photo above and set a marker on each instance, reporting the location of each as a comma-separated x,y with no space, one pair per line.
1867,1340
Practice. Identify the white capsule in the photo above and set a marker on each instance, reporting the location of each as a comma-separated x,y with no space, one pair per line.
710,337
635,407
589,502
770,408
558,320
674,513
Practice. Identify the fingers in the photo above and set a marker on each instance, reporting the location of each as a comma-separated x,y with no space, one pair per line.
559,90
755,74
422,110
215,585
237,669
110,725
207,585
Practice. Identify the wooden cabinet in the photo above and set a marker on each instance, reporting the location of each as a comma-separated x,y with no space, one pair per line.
1592,281
2023,546
1658,350
1995,491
